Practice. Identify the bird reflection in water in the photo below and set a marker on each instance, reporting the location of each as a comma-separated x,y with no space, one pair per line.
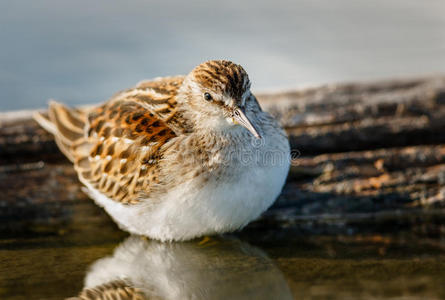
216,268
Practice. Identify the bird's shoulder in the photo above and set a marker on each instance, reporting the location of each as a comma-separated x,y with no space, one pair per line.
159,96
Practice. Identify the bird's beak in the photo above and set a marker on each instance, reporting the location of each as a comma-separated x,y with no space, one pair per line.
240,118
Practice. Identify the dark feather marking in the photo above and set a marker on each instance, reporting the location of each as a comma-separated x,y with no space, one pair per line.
110,150
106,132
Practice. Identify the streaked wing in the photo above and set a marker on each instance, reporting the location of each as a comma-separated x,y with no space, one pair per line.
117,289
116,147
124,141
158,96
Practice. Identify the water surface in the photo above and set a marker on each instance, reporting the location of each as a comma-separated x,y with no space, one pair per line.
253,264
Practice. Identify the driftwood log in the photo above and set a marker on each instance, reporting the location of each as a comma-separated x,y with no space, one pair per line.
370,157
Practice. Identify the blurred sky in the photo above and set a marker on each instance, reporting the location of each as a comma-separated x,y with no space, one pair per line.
84,51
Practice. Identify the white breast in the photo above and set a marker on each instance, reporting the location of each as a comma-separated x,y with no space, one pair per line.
222,204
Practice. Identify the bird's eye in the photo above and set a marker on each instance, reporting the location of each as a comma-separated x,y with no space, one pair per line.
207,96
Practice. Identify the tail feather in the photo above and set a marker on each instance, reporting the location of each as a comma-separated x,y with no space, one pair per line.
61,116
66,124
45,122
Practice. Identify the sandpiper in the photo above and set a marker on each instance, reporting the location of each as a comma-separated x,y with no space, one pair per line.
176,158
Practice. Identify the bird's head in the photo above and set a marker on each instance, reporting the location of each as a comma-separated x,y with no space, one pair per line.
219,90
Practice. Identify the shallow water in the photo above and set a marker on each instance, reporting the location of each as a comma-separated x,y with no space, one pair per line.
253,264
83,52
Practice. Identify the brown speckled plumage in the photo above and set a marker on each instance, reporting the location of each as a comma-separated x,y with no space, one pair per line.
166,157
114,290
125,139
117,147
224,77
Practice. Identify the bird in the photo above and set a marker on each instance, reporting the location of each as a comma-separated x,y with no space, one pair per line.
177,158
220,268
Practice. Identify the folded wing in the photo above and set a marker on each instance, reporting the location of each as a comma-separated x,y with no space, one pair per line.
116,147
